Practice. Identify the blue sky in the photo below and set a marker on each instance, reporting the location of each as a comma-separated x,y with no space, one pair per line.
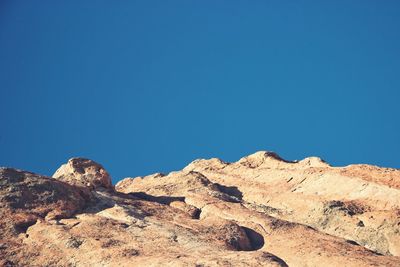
149,86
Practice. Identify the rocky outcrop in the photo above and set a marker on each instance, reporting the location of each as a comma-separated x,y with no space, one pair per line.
359,202
84,172
261,210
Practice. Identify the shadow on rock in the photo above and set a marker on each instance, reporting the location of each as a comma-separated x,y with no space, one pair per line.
232,191
159,199
255,238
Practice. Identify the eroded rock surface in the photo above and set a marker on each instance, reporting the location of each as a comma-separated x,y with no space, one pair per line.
259,211
84,172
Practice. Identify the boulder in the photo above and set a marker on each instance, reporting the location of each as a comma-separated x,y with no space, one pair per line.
84,172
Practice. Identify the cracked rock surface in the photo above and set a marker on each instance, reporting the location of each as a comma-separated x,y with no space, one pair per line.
259,211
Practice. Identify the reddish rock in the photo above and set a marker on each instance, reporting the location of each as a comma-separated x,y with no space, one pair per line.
84,172
259,211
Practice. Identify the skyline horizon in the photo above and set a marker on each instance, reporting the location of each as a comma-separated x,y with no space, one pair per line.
148,86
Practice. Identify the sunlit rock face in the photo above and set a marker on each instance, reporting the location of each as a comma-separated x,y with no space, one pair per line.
259,211
84,172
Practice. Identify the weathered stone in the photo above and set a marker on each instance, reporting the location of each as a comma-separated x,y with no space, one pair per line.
84,172
259,211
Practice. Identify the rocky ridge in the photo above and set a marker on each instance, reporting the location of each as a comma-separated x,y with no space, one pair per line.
260,210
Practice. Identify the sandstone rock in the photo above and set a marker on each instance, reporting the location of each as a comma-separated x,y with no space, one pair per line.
84,172
26,199
331,199
259,211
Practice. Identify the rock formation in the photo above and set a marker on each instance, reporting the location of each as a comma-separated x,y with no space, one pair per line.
259,211
84,172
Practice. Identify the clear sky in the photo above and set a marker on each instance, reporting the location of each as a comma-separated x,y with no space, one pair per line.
148,86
